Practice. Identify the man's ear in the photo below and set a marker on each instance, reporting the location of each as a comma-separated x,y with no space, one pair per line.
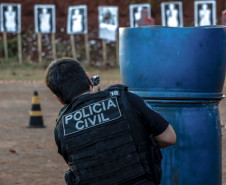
60,100
89,78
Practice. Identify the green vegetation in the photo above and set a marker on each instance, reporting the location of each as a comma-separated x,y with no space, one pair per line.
30,69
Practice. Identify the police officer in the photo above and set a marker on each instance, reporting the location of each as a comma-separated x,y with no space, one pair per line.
108,137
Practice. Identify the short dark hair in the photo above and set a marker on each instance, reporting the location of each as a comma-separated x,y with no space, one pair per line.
66,79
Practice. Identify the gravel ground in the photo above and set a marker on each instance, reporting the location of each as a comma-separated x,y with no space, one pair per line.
27,155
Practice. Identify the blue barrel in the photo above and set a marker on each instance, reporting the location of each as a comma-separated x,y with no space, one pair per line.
180,73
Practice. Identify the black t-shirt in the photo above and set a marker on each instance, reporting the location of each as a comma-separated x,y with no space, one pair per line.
153,121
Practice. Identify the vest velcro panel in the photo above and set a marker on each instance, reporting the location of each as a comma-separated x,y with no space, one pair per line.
104,154
91,135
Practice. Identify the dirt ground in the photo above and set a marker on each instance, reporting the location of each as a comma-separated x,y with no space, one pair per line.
29,156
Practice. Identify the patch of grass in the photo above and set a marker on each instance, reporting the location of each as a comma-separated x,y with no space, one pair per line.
12,70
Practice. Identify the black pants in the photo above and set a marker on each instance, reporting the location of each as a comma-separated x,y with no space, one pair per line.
69,178
144,181
148,183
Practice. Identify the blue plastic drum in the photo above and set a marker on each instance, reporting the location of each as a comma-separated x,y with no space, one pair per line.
180,72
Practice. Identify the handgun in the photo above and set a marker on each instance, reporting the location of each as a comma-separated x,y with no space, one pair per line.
96,80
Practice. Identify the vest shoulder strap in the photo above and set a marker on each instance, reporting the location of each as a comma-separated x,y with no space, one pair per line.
62,111
118,87
141,140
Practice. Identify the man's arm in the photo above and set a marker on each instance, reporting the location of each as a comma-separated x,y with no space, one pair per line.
154,122
60,146
166,138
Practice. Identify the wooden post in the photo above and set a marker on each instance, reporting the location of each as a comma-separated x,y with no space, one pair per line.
87,48
19,48
53,45
104,52
5,46
39,48
117,51
73,50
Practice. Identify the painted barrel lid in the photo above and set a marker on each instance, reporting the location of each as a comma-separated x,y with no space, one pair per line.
165,62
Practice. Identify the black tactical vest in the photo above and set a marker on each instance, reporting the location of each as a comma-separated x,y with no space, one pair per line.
105,142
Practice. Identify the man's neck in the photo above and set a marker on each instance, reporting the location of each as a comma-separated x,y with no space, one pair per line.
90,91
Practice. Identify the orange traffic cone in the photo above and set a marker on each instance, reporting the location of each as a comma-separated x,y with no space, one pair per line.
36,120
